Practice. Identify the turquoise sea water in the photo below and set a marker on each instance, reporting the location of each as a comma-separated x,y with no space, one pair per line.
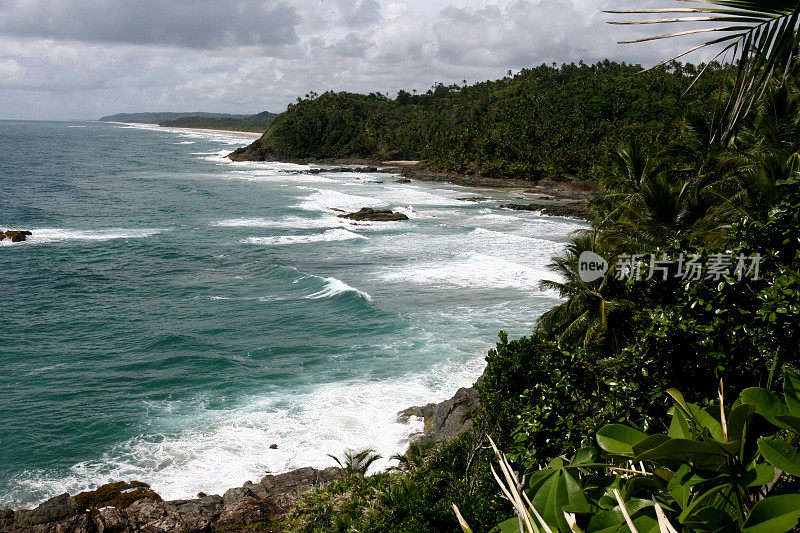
176,313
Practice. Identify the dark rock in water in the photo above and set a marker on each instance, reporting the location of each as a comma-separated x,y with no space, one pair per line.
523,207
447,419
571,209
134,508
17,236
382,215
473,199
403,180
337,209
273,446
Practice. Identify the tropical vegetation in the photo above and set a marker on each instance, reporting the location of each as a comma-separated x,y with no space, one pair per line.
255,123
699,229
548,121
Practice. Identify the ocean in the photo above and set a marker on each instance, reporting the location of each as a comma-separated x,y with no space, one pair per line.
175,313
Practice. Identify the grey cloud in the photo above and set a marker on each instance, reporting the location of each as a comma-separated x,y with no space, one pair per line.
65,75
187,23
359,13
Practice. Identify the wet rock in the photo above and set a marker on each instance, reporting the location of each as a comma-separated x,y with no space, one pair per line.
403,180
62,508
17,236
473,199
447,419
381,215
121,495
110,509
273,446
570,209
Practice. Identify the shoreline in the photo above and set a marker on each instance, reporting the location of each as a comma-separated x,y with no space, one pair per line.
565,198
439,414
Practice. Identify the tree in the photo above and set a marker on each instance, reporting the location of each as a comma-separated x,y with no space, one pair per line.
761,35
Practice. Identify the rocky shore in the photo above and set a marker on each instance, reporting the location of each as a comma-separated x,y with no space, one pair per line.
567,198
133,507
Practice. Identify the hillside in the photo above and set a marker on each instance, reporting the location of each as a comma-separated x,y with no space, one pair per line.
155,117
547,121
259,122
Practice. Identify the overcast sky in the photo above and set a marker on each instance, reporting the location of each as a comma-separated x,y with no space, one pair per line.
80,59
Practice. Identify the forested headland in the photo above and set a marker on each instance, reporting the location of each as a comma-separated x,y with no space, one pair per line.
548,121
256,123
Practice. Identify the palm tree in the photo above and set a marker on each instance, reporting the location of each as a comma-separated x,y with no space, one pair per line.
632,167
592,315
760,35
356,463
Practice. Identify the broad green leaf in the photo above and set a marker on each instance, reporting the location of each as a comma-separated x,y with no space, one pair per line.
509,526
678,397
682,450
764,473
576,499
653,441
738,421
775,514
680,486
780,454
790,422
618,439
710,519
708,422
791,392
550,499
587,455
679,427
766,403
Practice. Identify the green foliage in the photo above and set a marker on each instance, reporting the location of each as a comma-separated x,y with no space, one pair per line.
356,463
539,398
415,500
256,123
544,121
713,469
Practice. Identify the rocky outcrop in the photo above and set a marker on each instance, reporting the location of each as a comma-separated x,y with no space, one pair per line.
359,170
381,215
447,419
14,235
133,507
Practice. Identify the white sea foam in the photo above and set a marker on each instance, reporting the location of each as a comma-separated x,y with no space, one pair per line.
327,236
324,199
285,222
470,270
51,235
282,175
222,448
334,286
186,142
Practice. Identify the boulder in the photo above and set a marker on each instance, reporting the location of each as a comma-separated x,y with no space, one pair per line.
447,419
381,215
120,495
17,236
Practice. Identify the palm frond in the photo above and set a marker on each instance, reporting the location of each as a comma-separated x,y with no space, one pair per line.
762,35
